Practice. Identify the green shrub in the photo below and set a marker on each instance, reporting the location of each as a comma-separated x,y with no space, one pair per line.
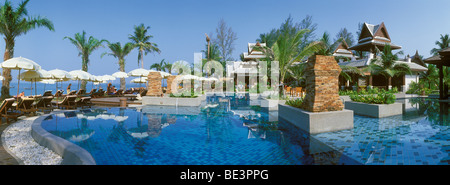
380,98
295,102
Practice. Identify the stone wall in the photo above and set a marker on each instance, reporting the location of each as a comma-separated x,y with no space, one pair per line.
170,79
154,84
322,85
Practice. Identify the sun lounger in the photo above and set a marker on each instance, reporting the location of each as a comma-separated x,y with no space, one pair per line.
44,103
58,93
47,93
24,105
84,102
143,92
7,112
68,102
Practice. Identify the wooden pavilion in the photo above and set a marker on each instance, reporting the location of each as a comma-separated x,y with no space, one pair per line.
441,60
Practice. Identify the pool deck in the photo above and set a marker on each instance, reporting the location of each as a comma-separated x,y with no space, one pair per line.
5,157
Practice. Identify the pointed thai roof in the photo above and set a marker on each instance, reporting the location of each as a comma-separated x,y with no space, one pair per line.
342,50
416,59
372,36
253,53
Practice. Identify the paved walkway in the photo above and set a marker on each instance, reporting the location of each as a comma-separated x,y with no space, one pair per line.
5,157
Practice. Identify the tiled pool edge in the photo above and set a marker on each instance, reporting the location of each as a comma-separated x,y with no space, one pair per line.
72,154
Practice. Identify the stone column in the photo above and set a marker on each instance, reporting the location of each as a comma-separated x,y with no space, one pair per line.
169,83
322,85
154,85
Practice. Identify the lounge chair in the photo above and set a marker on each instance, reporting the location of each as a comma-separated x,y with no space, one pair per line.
44,103
143,92
48,93
25,105
84,102
99,93
72,92
68,102
117,93
91,93
58,93
7,112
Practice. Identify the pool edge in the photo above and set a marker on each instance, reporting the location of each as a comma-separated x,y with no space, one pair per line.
71,154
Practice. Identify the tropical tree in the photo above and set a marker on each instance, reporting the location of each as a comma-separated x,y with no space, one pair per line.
158,66
119,52
15,22
387,66
167,67
346,35
431,76
286,50
225,38
442,43
85,47
141,40
214,54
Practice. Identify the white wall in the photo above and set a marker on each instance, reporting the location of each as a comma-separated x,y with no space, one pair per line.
410,78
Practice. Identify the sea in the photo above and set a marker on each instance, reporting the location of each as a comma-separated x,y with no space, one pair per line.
30,88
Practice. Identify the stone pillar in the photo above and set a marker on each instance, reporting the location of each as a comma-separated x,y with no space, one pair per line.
169,83
154,85
322,85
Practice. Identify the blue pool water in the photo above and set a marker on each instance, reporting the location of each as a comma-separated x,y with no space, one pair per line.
228,130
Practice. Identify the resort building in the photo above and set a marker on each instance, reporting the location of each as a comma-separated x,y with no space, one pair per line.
372,39
343,51
248,67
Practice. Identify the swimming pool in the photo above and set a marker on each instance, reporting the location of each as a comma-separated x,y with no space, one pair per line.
227,130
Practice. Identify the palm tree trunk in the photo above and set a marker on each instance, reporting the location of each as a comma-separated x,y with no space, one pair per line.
122,68
389,83
142,58
84,67
9,53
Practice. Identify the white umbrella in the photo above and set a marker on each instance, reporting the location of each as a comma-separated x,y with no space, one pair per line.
139,72
60,75
120,74
80,75
139,80
19,63
31,76
47,81
108,77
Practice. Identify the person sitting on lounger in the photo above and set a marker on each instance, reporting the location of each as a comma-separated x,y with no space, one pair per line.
22,94
68,88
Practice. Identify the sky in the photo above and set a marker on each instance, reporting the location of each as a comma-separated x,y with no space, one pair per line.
179,26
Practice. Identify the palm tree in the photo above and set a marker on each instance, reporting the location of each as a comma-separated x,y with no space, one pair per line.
85,48
286,50
142,41
158,66
168,67
15,22
386,65
120,53
431,76
214,54
443,43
